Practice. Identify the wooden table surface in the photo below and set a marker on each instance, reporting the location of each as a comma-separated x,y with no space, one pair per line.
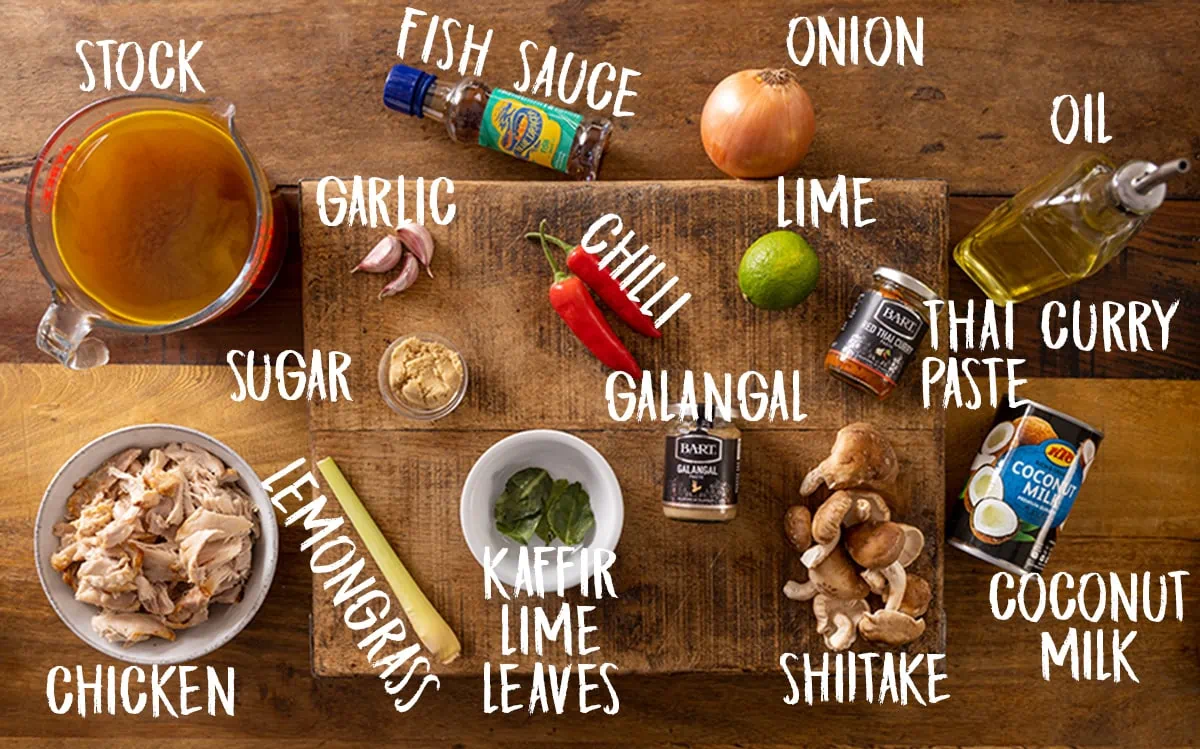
306,78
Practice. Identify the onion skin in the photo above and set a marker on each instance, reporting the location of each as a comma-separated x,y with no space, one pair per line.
757,124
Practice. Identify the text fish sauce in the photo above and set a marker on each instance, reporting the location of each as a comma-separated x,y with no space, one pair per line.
1023,482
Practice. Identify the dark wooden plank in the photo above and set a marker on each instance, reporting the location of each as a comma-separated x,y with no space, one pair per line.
691,598
488,295
1160,264
279,698
307,79
528,372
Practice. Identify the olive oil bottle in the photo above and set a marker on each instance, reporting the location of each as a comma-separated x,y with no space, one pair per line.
1063,228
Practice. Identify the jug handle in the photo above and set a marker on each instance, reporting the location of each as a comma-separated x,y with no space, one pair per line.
63,333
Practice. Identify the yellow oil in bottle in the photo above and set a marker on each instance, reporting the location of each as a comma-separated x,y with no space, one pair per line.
1063,228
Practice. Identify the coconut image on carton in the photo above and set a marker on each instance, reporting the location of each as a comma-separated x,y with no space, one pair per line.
984,484
993,521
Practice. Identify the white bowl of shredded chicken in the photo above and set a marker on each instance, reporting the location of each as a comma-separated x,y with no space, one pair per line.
156,544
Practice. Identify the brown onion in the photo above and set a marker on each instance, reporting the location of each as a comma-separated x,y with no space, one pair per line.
757,123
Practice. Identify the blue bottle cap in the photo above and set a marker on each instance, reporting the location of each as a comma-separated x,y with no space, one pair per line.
405,89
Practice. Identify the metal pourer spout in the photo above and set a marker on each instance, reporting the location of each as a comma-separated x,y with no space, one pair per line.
1148,182
1140,186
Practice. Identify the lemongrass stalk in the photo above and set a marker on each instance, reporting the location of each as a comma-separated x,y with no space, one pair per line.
429,625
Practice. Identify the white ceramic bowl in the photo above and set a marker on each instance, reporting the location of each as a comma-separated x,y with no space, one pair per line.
224,621
565,456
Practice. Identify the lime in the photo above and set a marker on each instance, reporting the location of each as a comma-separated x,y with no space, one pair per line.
778,271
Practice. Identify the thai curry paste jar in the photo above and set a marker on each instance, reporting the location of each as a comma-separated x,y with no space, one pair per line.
882,333
1023,482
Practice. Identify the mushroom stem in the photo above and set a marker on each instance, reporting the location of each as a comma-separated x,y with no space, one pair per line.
897,579
818,553
812,481
799,591
876,581
843,635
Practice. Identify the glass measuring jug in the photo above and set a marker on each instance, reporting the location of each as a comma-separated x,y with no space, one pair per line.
147,215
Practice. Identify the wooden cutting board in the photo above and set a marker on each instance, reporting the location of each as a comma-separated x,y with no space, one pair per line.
692,598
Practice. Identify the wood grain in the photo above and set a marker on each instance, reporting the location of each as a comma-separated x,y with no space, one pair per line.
1142,483
1160,264
488,295
691,598
696,600
307,79
993,667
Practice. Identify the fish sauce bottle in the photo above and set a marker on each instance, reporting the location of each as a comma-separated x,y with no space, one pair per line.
521,127
1065,227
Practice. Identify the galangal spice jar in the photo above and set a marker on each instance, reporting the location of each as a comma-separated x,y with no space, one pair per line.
700,471
882,333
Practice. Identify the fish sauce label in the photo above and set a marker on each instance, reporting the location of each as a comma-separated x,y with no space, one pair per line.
701,469
881,334
529,130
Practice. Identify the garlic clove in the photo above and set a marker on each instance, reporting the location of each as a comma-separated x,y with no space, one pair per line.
417,240
382,257
409,270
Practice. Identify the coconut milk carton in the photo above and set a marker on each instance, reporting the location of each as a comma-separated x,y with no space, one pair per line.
1023,482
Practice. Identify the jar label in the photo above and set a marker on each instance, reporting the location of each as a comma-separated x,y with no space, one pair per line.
701,470
881,334
1023,483
528,129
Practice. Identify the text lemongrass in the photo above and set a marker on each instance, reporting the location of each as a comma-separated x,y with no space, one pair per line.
369,603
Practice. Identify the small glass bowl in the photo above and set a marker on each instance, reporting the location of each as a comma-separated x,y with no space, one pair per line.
404,409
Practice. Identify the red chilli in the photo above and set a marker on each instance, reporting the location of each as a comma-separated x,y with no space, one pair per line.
570,299
584,264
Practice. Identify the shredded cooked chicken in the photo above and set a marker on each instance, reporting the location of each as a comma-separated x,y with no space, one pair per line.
152,538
